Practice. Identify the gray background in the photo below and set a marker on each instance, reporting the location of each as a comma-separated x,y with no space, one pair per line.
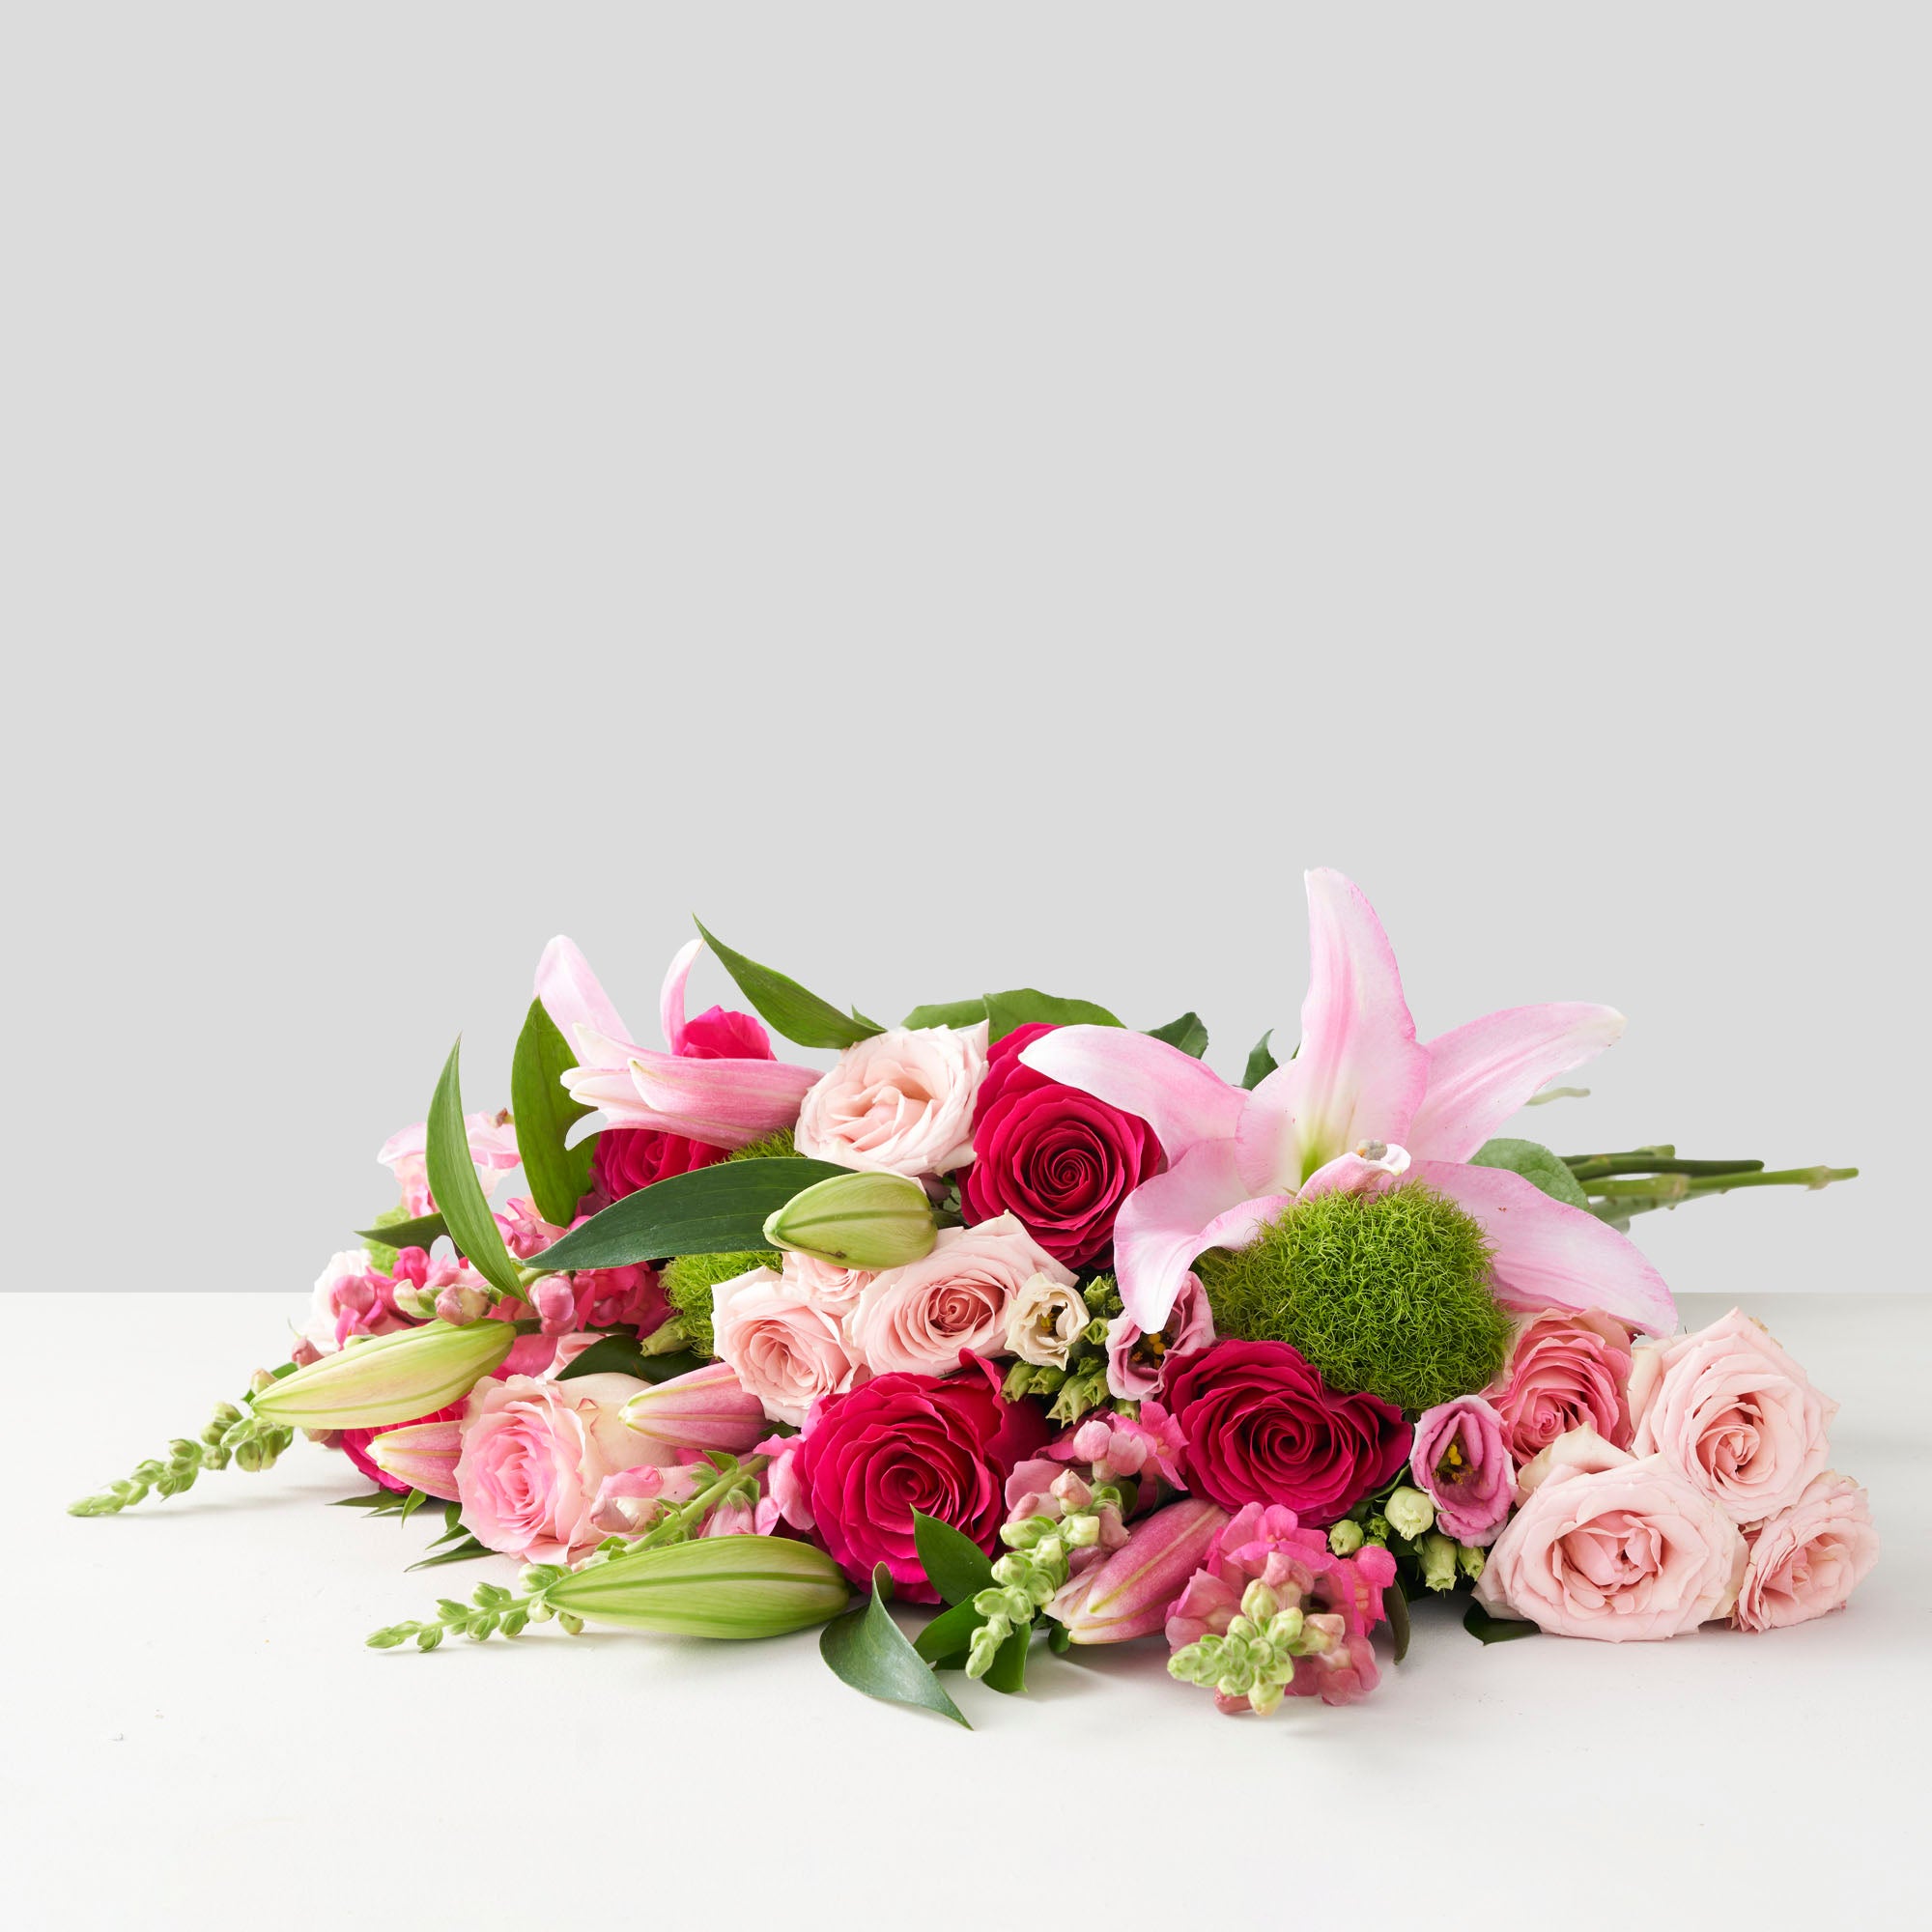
956,499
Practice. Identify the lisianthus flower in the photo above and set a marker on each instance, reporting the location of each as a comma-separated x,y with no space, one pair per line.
1362,1103
718,1084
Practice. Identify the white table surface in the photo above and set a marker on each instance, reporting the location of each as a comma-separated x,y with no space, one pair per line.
194,1733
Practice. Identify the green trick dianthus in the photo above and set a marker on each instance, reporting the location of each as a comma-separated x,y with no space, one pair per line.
1387,1292
775,1145
687,1282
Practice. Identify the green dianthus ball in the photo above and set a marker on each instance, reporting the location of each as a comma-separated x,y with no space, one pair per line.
1387,1292
775,1145
687,1282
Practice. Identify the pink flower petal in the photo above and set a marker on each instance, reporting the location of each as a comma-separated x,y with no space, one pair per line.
572,995
1166,1221
1182,1100
670,1001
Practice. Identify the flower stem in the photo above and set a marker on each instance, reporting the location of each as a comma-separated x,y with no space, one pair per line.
1645,1160
1621,1199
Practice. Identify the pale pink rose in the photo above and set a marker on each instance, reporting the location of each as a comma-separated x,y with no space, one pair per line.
535,1456
836,1290
493,1150
783,1347
900,1103
1731,1410
1612,1546
918,1320
1565,1370
1808,1559
1461,1462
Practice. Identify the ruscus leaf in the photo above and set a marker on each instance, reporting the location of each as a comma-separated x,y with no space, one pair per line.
869,1651
956,1566
798,1015
452,1181
544,1114
1187,1032
1537,1165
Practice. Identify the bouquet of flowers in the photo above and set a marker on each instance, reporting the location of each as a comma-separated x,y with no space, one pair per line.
1027,1316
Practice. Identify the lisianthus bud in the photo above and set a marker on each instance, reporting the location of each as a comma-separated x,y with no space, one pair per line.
1129,1595
1346,1538
1411,1512
423,1455
719,1586
1470,1559
868,1221
387,1378
1438,1560
705,1409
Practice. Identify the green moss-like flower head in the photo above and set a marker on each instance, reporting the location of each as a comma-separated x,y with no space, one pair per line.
687,1282
776,1143
1387,1292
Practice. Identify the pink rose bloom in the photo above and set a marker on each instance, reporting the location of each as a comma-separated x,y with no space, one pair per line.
783,1347
1806,1560
624,1159
834,1289
900,1103
1461,1462
1610,1546
493,1148
1137,1362
535,1456
1731,1410
919,1319
1564,1371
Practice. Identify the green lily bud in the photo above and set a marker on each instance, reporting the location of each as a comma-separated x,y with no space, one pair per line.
1411,1512
1346,1538
718,1586
388,1377
868,1221
1438,1560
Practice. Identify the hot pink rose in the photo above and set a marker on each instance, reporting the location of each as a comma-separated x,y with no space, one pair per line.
1059,1159
1564,1371
867,1459
1137,1362
1610,1546
785,1349
1733,1412
1806,1560
1262,1428
535,1453
1461,1462
900,1103
919,1319
624,1159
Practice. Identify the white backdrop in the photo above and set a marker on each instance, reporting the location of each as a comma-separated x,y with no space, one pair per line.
957,499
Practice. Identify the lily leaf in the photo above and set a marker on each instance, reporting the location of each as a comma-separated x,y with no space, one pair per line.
1187,1032
421,1233
1478,1623
618,1353
452,1179
718,1209
945,1641
948,1013
870,1651
785,1005
544,1114
1537,1165
1395,1607
1024,1004
956,1566
466,1552
1260,1062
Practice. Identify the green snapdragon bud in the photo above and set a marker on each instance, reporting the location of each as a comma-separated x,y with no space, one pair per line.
868,1221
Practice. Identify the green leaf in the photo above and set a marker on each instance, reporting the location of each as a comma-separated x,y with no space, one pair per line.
615,1353
1260,1062
1536,1164
1024,1004
412,1502
1059,1638
784,1004
1186,1032
948,1013
1006,1673
945,1641
870,1651
1395,1607
373,1499
1478,1623
545,1114
452,1181
956,1566
421,1233
717,1210
466,1552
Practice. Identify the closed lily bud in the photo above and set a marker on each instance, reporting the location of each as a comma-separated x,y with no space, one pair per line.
706,1409
423,1455
1411,1512
388,1377
868,1221
718,1586
1129,1595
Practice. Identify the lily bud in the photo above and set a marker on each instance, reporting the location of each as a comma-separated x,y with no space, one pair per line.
869,1221
388,1377
704,1410
719,1586
1129,1595
423,1455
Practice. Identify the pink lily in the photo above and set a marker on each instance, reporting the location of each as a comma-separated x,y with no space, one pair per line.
493,1150
1362,1101
726,1101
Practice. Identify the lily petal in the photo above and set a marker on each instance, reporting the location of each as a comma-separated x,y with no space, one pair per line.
670,1001
1481,1073
1360,1072
1355,1174
1167,1221
1549,1255
726,1103
572,994
1181,1100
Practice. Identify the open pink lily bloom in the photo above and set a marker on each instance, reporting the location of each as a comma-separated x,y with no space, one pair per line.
1362,1101
725,1101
